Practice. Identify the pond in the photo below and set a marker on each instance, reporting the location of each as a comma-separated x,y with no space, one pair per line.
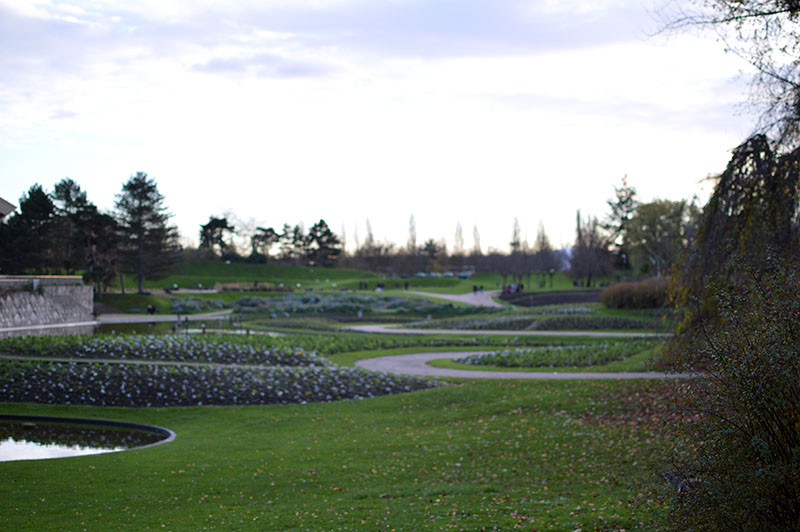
36,438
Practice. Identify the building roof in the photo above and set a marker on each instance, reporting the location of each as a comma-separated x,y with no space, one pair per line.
5,208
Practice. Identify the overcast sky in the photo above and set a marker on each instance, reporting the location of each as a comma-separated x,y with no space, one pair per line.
283,111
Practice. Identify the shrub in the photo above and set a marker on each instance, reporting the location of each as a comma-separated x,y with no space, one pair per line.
650,293
742,456
193,305
589,323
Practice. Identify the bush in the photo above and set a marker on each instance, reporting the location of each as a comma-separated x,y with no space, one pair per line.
594,323
193,305
742,455
650,293
531,321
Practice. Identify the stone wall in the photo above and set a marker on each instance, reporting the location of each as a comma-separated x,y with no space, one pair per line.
45,306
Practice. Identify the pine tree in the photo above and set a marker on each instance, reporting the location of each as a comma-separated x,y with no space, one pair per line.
149,245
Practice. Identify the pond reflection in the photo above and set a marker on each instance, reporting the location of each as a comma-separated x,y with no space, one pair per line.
29,440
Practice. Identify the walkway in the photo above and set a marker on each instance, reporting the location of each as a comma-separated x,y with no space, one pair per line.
417,364
159,318
393,329
478,299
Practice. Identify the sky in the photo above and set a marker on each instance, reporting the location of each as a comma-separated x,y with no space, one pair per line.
456,112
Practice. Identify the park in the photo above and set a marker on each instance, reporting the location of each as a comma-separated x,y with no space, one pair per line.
224,344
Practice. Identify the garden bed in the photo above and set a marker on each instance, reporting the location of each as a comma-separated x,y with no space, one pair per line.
139,385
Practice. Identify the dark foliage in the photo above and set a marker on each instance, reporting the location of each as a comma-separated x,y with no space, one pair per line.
149,245
650,293
754,208
739,463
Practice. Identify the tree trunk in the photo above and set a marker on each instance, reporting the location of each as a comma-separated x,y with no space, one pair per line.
140,264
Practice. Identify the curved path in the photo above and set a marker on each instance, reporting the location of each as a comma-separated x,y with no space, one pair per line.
393,329
417,364
153,318
477,299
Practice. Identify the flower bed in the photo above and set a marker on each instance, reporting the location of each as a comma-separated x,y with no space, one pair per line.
193,305
558,356
150,385
344,304
222,350
542,322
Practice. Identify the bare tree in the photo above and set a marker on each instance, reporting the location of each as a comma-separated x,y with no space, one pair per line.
765,33
590,256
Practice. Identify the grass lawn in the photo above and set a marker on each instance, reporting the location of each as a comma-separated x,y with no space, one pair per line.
194,272
137,303
191,273
477,456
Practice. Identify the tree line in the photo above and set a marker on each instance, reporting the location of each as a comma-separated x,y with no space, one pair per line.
63,232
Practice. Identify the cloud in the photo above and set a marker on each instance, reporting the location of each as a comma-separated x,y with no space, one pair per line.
62,114
266,65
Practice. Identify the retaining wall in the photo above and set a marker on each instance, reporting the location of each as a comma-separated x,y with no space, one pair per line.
34,306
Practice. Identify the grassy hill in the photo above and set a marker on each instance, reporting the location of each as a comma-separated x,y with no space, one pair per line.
195,273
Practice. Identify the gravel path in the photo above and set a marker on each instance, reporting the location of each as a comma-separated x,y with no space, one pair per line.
152,318
417,364
478,299
393,329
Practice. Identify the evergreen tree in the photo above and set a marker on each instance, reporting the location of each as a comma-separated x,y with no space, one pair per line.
261,242
73,214
322,245
149,245
212,235
26,241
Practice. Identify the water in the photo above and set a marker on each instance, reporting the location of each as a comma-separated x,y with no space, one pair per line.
37,440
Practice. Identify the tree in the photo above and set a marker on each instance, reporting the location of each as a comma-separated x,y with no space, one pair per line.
28,236
765,33
623,207
73,214
547,262
754,208
212,235
432,250
101,249
737,289
293,243
261,241
658,233
322,245
476,241
516,238
590,255
458,242
149,244
411,246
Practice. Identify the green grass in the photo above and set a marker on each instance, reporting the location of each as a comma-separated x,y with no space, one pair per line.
194,272
477,456
136,302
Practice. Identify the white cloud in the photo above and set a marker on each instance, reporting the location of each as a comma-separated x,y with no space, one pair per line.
288,111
